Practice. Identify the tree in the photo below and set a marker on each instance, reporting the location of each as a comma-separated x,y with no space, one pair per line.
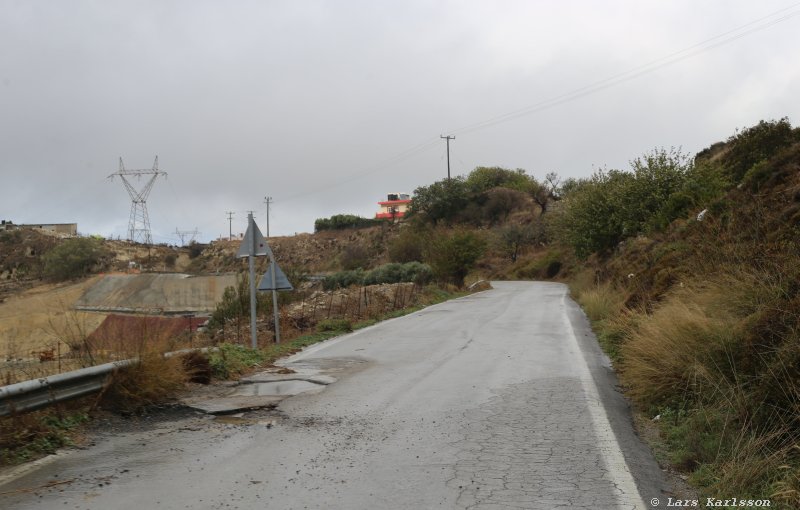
645,202
546,192
590,220
513,238
442,201
452,256
73,258
501,202
485,178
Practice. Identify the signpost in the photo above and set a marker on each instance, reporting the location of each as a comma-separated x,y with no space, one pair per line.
254,245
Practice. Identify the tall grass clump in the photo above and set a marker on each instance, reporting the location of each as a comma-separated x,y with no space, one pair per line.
601,302
719,361
152,380
676,348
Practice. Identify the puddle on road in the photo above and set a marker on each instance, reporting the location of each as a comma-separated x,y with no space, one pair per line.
280,388
324,365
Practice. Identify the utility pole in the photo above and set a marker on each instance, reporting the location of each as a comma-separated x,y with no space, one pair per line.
448,138
268,201
230,224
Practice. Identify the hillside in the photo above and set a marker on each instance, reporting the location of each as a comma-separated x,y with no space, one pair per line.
702,314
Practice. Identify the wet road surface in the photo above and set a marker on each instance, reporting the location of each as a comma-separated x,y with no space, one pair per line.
498,400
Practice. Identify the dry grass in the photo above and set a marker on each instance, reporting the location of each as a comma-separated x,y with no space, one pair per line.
675,349
153,380
28,322
601,302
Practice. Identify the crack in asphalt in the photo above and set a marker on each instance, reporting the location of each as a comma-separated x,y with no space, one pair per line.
533,446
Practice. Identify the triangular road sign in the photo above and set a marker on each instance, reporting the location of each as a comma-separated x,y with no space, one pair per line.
261,246
266,281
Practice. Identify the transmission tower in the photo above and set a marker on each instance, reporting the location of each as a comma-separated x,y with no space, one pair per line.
139,223
182,234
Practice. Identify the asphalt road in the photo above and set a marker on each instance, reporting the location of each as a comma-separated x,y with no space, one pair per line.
498,400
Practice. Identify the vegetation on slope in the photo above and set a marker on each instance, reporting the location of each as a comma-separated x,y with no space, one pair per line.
702,311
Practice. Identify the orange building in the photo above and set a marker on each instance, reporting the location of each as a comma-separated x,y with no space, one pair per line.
394,207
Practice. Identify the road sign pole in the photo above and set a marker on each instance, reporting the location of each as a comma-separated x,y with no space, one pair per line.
251,259
275,303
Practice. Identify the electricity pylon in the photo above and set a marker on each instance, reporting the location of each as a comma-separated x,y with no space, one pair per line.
182,234
139,223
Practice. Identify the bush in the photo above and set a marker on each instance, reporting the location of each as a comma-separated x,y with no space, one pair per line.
755,144
343,279
591,219
353,257
388,273
235,303
396,273
196,249
483,179
73,258
337,325
230,360
151,381
501,202
452,256
408,245
344,221
442,201
612,206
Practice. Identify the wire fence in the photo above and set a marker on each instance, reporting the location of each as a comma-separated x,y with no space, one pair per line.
119,339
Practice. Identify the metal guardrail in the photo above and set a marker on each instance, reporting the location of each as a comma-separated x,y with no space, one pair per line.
38,393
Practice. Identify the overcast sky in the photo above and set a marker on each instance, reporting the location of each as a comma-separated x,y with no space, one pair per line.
326,106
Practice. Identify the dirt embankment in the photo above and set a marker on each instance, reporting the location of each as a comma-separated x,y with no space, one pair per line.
320,252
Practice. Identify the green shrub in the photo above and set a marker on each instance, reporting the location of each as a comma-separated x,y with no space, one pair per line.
344,279
451,257
73,258
230,360
388,273
342,325
408,245
344,221
755,144
235,303
441,202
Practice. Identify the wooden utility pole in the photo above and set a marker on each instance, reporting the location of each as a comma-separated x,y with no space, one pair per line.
230,224
448,138
268,201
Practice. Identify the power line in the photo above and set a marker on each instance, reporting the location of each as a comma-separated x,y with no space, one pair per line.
402,156
716,41
649,67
